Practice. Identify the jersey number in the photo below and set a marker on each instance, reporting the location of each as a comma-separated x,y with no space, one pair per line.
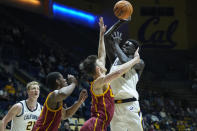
30,125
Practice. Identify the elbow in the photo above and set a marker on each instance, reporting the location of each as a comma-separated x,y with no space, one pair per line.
66,115
123,60
142,63
62,95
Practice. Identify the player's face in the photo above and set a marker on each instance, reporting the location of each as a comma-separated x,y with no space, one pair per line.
34,91
101,66
62,81
128,48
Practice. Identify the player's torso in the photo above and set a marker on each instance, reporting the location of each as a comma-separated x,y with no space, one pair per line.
49,119
103,104
26,119
125,86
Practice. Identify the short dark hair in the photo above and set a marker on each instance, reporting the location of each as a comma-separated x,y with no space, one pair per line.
88,66
135,43
51,79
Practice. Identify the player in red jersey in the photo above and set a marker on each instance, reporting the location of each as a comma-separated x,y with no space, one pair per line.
102,108
53,112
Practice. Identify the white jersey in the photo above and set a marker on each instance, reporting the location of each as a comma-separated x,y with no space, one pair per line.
124,87
127,116
26,119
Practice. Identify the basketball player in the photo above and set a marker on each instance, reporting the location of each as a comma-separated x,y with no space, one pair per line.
53,112
102,108
25,113
127,116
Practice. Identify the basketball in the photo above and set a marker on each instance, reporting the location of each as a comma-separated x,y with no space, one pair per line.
123,9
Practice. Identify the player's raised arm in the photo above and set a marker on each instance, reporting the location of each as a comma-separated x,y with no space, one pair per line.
117,37
109,41
122,69
63,93
115,27
101,47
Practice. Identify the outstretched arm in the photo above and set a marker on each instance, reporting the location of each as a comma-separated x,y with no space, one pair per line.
71,110
117,37
114,27
122,69
109,42
13,112
61,94
139,67
101,48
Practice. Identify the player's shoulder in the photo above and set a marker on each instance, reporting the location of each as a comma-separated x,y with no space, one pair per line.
18,105
99,80
17,109
52,96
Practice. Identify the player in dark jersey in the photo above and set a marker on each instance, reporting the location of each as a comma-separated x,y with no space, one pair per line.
102,108
125,91
53,112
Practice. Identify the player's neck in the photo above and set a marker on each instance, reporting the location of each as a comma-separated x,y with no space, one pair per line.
31,103
97,75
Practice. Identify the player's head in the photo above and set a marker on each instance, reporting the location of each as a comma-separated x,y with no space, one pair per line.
55,80
130,46
33,89
92,67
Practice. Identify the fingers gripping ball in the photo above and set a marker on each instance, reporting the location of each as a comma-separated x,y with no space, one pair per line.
123,9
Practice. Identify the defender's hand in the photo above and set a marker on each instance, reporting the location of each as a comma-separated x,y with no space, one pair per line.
72,79
117,37
83,95
102,26
136,55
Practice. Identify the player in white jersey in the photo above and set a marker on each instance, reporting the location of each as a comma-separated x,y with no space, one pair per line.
127,115
24,113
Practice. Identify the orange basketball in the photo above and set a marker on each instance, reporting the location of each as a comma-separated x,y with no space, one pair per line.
123,9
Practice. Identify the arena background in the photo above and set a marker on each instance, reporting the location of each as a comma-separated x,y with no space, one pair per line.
35,40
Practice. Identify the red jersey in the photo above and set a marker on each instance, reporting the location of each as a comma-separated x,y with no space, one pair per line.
102,107
49,119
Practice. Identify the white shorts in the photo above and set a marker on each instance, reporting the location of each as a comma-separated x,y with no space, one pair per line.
127,117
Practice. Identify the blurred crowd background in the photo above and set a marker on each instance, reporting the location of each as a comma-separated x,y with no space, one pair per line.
32,45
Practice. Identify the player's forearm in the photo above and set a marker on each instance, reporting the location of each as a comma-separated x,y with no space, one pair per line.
128,65
101,50
66,91
71,110
122,69
120,54
114,28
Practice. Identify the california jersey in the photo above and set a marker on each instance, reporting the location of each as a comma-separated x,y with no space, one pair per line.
49,119
125,86
26,119
102,107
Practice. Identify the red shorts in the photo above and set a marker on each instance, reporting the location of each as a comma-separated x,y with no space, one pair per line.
92,124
